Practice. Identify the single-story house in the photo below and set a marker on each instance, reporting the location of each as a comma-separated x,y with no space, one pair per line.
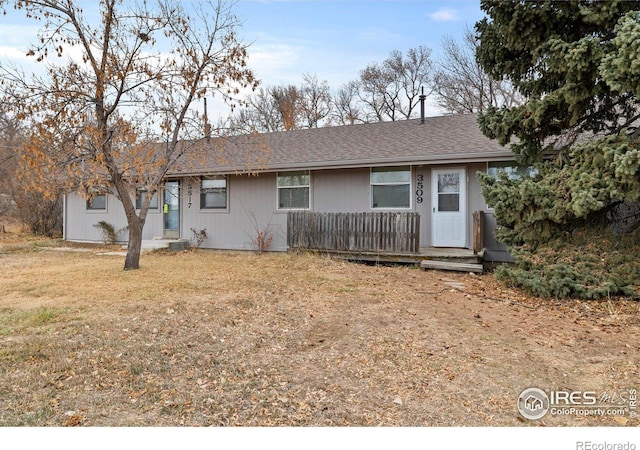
426,166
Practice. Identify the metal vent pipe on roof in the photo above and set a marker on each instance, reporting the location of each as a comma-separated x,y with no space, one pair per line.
422,99
207,125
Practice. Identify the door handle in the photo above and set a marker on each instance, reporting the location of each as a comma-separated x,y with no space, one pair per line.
434,209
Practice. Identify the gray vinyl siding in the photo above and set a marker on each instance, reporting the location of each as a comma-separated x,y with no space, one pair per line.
344,190
155,221
423,208
494,251
475,199
349,190
79,221
253,203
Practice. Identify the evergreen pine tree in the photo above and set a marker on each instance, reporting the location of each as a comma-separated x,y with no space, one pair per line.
572,228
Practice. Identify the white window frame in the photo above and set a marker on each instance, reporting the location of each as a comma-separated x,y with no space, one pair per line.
92,193
226,191
279,188
510,164
138,200
395,183
506,163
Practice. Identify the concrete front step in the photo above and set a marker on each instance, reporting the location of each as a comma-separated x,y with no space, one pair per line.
157,244
451,265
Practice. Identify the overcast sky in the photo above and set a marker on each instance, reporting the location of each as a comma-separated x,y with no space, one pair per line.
332,39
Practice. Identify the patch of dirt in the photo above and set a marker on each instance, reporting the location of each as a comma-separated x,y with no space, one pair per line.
209,338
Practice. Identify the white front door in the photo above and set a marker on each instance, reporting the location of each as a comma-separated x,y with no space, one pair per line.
448,218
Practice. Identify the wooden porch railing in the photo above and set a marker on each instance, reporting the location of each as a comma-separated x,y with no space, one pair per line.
356,232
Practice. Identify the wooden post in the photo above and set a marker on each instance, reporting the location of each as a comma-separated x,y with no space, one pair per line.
478,231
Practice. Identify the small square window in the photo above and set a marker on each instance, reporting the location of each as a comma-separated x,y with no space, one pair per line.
96,199
294,190
140,197
511,169
213,192
391,187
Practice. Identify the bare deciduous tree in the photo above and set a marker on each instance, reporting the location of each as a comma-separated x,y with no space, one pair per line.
288,99
347,110
411,74
461,86
10,140
142,66
372,92
262,114
316,100
20,183
390,90
280,108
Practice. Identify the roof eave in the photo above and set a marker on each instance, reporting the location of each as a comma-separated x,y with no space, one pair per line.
359,163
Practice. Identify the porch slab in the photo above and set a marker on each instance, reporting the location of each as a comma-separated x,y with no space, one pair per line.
158,244
444,252
437,255
451,265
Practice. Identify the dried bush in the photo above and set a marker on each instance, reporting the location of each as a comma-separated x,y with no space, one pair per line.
43,215
198,238
108,232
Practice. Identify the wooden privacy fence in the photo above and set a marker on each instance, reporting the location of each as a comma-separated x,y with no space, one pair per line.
356,232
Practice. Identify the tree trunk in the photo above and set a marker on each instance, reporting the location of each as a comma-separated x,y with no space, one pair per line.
135,222
134,247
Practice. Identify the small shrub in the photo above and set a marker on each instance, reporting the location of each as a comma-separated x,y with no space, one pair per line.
198,237
262,237
263,240
108,232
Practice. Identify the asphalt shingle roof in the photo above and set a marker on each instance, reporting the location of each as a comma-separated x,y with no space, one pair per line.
445,139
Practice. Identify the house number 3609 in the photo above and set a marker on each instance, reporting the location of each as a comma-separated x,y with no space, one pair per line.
419,188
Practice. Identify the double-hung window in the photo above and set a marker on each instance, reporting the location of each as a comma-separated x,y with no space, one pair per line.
213,192
293,189
512,169
391,187
96,199
140,193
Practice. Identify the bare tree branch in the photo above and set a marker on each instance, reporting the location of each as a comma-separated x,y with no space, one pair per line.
389,91
460,84
142,68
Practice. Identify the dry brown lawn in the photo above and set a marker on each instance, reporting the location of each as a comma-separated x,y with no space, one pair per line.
209,338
